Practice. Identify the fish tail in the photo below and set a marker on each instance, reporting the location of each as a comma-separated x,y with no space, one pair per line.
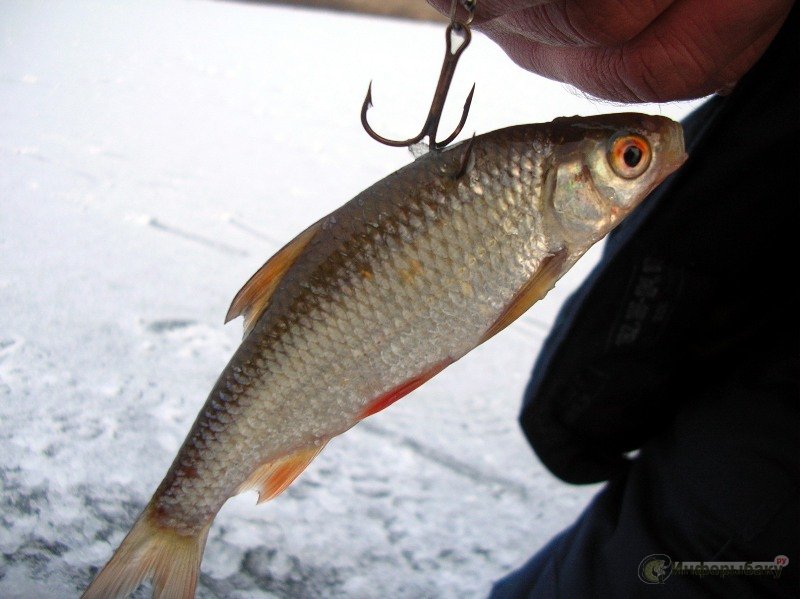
150,550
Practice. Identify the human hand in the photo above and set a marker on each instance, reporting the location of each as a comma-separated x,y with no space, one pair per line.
633,51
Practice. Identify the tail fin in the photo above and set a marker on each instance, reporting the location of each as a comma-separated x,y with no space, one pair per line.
172,560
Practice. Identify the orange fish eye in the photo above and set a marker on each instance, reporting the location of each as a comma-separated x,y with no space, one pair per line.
629,155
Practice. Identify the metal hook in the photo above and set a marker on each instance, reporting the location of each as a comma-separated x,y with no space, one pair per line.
449,63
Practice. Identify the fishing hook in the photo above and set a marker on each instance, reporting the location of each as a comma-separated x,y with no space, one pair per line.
449,63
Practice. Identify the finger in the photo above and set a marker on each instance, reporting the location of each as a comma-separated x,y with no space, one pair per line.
698,46
487,10
581,22
686,52
578,66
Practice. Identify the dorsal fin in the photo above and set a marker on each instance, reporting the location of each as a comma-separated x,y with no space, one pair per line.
535,289
270,479
253,297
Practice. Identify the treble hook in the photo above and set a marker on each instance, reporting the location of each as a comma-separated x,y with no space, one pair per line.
449,63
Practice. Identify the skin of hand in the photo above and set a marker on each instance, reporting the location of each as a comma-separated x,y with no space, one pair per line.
633,50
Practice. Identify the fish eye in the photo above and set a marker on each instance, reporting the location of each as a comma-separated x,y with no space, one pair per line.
629,155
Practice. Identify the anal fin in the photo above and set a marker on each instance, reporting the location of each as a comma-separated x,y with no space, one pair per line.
272,478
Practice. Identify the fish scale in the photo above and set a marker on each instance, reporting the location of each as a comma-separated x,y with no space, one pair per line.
376,298
345,332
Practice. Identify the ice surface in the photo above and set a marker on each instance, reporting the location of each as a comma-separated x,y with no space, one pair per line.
152,156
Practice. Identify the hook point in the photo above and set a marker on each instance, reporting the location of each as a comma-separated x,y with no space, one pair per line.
468,102
368,98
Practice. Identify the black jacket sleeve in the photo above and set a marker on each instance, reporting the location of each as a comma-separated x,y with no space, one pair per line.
697,285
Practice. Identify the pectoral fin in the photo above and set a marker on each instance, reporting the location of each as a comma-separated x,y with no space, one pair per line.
272,478
253,297
535,289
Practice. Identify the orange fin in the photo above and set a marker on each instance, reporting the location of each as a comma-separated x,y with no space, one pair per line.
387,399
272,478
535,289
253,297
150,550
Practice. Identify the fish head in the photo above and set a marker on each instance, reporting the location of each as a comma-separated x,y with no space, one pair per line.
603,167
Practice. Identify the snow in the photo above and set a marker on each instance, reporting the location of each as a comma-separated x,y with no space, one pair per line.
152,156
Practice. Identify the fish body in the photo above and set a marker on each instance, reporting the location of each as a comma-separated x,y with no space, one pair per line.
379,296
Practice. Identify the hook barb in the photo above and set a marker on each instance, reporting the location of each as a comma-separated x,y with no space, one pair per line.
431,126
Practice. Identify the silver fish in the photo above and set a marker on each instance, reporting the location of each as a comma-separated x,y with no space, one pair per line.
374,299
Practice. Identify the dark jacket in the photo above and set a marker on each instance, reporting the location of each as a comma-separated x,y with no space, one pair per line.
684,344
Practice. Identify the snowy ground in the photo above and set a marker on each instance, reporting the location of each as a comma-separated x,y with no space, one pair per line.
152,156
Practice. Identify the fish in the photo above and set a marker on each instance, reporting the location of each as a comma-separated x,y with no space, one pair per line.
376,298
